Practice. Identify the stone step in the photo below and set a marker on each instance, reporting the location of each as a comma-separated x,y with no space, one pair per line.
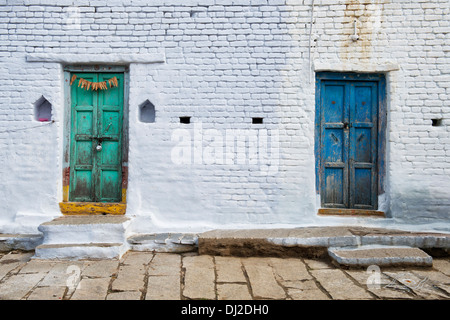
85,229
79,251
84,237
163,242
311,242
26,242
386,256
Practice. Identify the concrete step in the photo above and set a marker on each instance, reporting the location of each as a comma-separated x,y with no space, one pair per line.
26,242
85,229
382,256
80,251
163,242
311,242
84,237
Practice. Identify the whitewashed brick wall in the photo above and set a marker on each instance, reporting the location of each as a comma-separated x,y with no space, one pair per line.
226,62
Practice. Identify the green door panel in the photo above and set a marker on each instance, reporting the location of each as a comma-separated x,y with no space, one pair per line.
97,119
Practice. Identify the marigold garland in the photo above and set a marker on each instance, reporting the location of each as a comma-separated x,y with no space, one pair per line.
103,85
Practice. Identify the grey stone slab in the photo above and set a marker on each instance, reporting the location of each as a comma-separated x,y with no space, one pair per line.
262,279
12,261
304,290
174,237
233,291
318,264
18,285
422,286
25,242
124,295
91,289
442,265
339,286
100,268
165,287
199,277
47,293
142,238
161,238
189,239
165,264
229,269
63,273
129,278
290,269
380,256
137,258
37,266
379,284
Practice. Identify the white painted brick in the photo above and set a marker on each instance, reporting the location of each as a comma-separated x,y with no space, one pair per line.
227,61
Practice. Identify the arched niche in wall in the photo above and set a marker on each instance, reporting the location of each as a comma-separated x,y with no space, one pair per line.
42,110
147,112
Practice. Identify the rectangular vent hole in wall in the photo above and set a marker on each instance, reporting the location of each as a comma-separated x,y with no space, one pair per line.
147,112
436,122
257,120
185,120
42,110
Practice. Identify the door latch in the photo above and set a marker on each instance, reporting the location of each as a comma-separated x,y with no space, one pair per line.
99,144
346,125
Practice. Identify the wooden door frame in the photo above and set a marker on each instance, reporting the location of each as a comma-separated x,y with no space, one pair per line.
381,131
70,208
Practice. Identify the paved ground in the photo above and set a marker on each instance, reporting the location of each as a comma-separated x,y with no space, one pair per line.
146,275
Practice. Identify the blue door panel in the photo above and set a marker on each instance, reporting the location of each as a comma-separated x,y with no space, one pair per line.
335,193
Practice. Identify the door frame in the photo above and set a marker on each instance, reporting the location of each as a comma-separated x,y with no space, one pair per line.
77,208
380,78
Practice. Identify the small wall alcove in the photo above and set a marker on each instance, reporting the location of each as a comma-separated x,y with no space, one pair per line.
147,112
42,110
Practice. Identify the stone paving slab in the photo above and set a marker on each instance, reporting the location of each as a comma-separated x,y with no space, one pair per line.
262,279
156,276
199,277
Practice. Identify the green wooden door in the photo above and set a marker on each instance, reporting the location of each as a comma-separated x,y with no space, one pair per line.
96,140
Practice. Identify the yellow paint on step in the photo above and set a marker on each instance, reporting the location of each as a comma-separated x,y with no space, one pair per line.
89,208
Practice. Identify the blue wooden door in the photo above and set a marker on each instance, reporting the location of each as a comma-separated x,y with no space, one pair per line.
348,143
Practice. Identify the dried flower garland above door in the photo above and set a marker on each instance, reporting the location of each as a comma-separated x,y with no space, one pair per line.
103,85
